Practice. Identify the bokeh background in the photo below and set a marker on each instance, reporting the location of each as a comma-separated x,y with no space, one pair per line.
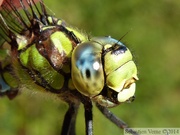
153,36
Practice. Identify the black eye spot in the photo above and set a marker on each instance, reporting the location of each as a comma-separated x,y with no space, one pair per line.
88,74
120,50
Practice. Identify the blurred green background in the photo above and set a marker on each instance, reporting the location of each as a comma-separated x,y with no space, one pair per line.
154,38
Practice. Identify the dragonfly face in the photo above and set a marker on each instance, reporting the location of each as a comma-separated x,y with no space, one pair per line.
43,54
103,70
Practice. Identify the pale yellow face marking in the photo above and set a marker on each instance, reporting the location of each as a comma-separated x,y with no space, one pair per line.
126,94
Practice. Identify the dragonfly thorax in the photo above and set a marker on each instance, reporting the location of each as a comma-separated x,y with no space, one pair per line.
54,57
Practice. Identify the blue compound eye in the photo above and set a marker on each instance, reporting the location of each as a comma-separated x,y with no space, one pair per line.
103,66
87,70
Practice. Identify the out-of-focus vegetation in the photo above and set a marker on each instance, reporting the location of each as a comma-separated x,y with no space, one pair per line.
154,38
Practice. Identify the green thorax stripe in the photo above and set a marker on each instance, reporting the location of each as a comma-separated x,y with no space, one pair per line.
48,60
41,50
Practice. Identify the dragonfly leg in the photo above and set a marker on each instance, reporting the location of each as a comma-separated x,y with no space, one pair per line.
68,127
88,117
117,121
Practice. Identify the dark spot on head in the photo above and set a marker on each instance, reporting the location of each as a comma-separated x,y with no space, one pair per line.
88,74
120,50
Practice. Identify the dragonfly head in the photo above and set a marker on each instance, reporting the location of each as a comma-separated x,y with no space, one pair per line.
103,69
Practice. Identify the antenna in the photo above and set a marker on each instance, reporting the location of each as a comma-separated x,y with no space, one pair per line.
124,35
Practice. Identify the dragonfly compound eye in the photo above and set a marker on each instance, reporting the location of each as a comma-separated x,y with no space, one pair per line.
104,70
87,70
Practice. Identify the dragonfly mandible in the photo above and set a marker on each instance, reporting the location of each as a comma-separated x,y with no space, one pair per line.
42,53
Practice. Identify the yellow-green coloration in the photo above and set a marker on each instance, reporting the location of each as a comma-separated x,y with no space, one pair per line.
116,60
35,61
123,73
10,80
48,67
25,82
3,54
71,85
66,68
80,35
4,58
96,68
104,63
47,27
22,41
24,57
61,42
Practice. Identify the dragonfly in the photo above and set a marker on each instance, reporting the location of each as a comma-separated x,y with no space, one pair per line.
44,54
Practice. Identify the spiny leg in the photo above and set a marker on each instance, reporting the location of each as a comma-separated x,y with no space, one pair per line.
69,122
88,117
86,101
108,114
